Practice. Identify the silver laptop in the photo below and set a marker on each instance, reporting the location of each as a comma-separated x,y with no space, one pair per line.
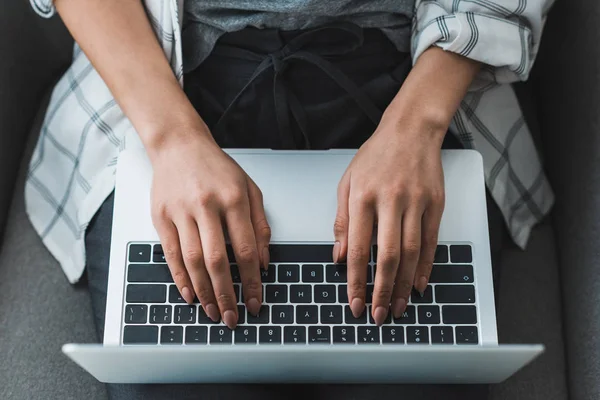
305,332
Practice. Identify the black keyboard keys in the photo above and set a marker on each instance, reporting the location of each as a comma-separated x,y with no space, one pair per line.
268,275
392,334
441,254
387,320
238,290
220,335
455,294
158,256
442,335
319,334
312,273
300,294
368,334
241,314
466,335
294,334
409,316
245,334
336,273
149,273
452,274
461,254
276,293
235,274
140,334
160,314
175,296
344,334
288,273
429,315
269,334
136,314
203,318
185,314
307,315
261,318
369,294
459,314
139,253
343,294
196,335
303,253
350,318
427,297
324,293
417,335
171,335
331,315
146,293
282,315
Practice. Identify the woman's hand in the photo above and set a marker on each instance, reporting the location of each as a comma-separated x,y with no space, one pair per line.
198,191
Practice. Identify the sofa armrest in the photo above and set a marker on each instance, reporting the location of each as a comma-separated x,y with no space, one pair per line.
567,85
33,51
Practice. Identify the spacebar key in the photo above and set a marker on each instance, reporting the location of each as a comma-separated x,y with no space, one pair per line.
281,253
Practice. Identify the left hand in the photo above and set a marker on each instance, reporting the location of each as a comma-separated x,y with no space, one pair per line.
395,182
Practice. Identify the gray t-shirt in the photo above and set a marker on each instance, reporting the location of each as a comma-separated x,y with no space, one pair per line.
206,20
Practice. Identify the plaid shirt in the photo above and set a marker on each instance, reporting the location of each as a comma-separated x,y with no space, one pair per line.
72,170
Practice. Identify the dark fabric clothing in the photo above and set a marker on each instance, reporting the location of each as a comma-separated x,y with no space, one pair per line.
285,90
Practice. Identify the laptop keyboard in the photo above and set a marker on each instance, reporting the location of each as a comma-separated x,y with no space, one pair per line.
305,302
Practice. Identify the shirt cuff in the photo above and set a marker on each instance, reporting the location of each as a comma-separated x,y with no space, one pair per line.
44,8
504,46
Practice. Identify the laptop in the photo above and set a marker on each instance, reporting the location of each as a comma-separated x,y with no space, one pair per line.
305,332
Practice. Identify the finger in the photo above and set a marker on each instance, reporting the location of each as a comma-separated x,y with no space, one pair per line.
389,226
429,240
262,230
193,258
340,226
243,241
217,265
409,256
359,246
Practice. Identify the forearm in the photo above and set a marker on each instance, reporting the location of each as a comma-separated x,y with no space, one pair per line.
117,38
433,91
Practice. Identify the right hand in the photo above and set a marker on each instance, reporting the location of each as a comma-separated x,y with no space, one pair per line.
197,192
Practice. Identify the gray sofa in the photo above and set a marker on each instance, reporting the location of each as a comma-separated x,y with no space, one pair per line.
548,293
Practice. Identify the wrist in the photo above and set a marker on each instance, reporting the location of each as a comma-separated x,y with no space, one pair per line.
421,122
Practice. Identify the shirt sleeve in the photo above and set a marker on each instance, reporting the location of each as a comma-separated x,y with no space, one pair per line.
503,34
44,8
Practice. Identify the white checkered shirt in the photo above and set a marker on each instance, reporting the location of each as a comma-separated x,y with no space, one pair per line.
72,170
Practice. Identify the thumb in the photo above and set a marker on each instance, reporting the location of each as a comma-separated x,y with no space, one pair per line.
340,226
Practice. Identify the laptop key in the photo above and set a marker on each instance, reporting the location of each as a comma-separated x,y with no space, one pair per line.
245,334
203,318
369,294
139,253
196,335
300,294
268,275
441,254
442,335
307,315
319,335
136,314
175,296
140,334
269,334
288,273
160,314
185,314
461,254
282,314
241,314
158,256
220,335
312,273
149,273
149,293
237,289
276,293
429,315
459,315
392,334
171,335
409,316
294,334
261,318
344,334
343,294
235,273
368,335
336,273
415,297
455,294
349,317
451,274
331,314
303,253
466,335
417,335
325,293
374,256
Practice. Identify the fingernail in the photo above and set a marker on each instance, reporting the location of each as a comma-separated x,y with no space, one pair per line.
266,257
399,308
253,306
336,252
229,319
422,285
357,306
187,295
380,314
213,312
